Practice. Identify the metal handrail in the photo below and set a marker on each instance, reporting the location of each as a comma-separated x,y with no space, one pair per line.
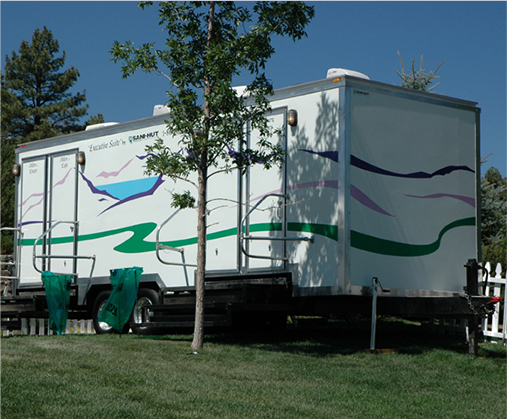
159,246
244,237
35,256
16,255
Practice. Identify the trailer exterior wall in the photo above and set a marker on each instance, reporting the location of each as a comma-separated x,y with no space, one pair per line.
413,189
348,179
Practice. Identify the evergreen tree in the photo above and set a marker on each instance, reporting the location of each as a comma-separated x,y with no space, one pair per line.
36,104
208,44
494,217
417,80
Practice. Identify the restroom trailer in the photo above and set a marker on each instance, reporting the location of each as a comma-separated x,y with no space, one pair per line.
378,181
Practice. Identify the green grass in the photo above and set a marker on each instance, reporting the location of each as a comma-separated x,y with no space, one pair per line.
318,372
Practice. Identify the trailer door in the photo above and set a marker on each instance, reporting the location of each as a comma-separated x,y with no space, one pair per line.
265,189
62,192
47,195
31,214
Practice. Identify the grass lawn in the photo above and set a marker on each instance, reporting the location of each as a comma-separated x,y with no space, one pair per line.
318,372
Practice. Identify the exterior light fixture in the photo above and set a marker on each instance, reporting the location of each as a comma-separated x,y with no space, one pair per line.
292,117
80,157
16,169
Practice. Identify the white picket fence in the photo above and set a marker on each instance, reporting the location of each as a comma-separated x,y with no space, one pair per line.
495,325
40,327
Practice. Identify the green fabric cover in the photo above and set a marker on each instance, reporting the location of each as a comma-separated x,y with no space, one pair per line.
58,298
119,306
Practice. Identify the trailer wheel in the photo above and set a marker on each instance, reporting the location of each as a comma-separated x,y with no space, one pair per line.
145,297
101,327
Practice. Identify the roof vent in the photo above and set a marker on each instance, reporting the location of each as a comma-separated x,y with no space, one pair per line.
102,125
339,72
160,110
240,90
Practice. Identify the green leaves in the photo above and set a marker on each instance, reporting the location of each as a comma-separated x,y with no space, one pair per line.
184,200
208,44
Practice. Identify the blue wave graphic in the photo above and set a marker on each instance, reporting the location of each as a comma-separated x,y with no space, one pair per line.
123,192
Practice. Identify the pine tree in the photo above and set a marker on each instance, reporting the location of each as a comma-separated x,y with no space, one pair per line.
417,80
36,104
494,217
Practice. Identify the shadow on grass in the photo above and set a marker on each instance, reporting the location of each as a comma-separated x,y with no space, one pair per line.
318,337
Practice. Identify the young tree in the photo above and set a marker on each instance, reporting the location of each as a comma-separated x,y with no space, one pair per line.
36,104
417,80
207,45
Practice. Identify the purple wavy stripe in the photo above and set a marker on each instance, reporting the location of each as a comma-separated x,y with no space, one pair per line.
31,196
30,207
361,164
60,182
333,155
360,196
28,223
94,189
114,173
333,184
138,195
466,199
146,156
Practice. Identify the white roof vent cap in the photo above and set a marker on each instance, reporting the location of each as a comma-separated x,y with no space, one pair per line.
160,110
240,90
338,72
102,125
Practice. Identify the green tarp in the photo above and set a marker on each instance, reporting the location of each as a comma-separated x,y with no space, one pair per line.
58,298
119,306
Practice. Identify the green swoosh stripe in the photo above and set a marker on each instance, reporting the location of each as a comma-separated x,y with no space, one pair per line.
136,243
329,231
387,247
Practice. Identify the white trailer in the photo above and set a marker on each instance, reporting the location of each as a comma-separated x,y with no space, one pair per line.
378,181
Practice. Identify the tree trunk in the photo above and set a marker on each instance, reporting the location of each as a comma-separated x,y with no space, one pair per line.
198,341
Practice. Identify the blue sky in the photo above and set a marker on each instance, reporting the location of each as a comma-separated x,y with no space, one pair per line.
362,36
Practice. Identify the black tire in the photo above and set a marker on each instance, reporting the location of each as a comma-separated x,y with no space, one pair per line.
145,297
98,305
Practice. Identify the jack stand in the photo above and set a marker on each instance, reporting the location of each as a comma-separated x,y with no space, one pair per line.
374,314
375,285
